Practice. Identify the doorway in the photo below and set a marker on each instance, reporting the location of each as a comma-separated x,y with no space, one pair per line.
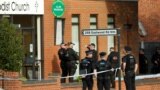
27,25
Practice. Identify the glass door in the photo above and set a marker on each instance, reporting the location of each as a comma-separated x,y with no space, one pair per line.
27,24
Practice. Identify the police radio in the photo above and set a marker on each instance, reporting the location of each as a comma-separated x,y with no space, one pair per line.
84,64
102,66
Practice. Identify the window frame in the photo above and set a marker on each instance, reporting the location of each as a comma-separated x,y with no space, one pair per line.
55,30
111,23
96,24
114,25
78,24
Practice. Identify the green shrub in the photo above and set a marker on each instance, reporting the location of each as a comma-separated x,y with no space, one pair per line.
11,50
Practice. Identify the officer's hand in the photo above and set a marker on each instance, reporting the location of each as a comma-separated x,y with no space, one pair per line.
77,62
112,69
123,73
135,72
83,76
95,73
155,62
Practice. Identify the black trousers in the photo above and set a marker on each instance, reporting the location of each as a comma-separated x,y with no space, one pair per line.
71,69
87,83
103,83
143,69
64,71
129,80
155,69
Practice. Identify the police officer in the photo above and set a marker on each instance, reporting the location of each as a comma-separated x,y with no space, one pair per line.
61,54
156,61
86,67
72,59
91,48
103,79
129,67
143,62
113,59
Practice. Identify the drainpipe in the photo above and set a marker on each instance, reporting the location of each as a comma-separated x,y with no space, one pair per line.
39,47
142,33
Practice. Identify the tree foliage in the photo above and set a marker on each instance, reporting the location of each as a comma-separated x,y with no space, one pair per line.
11,49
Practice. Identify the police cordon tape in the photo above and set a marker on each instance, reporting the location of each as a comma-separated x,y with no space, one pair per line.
148,76
82,75
116,69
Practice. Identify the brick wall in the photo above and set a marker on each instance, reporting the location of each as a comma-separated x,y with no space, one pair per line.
10,84
126,12
149,15
43,86
57,86
13,84
84,9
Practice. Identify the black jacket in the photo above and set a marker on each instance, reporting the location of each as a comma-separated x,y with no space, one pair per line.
113,59
130,62
156,57
95,55
72,55
142,60
62,54
86,64
103,65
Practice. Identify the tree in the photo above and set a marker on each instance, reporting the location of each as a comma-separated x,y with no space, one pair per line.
11,49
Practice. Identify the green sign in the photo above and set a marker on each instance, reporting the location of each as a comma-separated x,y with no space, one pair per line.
58,8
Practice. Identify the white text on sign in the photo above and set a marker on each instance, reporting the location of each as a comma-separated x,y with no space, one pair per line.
99,32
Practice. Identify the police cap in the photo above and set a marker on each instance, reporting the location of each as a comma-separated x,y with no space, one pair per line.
102,54
127,48
92,44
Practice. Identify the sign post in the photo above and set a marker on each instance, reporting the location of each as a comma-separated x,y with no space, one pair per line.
58,8
106,32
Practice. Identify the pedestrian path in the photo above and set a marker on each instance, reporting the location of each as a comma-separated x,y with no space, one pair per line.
76,86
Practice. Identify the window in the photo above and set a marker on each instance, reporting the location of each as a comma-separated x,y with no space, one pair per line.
75,32
111,21
93,25
110,25
59,26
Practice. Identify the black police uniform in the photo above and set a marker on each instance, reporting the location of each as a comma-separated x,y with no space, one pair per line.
156,66
129,77
86,67
95,56
113,59
72,57
62,57
143,66
103,79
